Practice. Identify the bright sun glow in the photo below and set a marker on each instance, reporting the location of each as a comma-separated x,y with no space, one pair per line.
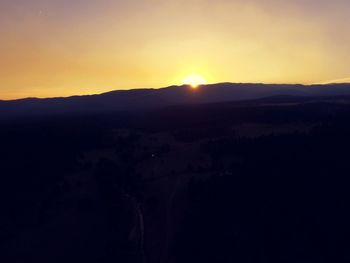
194,80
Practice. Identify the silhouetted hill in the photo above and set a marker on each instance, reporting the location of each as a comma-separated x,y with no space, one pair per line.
230,180
138,99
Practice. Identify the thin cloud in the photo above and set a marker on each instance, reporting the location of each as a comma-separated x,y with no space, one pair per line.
335,81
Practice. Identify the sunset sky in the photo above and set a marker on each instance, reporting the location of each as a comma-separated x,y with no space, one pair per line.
67,47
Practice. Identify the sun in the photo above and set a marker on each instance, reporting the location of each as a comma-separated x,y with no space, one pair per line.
194,80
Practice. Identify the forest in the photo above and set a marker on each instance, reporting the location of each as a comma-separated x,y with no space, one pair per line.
222,182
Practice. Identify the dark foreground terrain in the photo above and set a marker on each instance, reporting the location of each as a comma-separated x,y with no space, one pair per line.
249,181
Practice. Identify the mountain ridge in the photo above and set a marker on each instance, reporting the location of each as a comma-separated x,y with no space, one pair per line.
142,99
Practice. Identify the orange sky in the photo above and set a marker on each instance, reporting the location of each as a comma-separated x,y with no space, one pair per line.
61,48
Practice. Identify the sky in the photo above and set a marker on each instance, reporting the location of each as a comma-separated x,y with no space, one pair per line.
52,48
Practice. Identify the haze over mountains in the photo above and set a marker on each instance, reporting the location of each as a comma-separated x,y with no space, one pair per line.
141,99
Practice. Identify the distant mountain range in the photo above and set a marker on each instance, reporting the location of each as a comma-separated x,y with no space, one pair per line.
143,99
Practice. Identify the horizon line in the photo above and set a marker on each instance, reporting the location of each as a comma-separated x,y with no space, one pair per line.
335,82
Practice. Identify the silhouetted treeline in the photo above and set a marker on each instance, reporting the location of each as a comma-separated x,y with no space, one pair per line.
274,199
57,206
73,187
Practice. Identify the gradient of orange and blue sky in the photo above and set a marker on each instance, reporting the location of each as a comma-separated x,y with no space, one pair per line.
65,47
